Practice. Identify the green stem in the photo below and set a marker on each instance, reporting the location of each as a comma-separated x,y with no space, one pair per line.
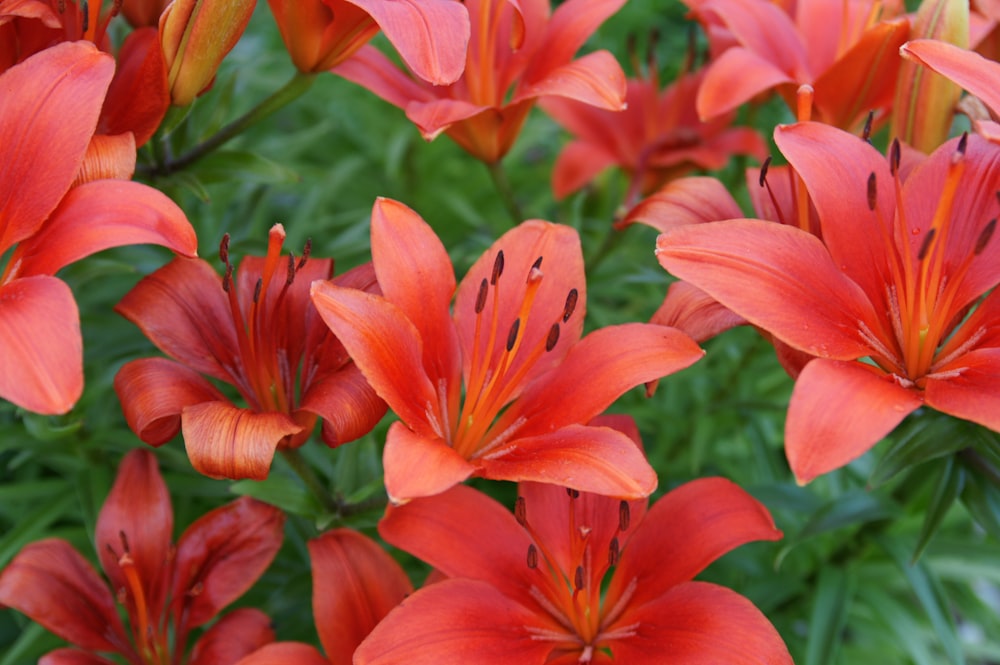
312,482
503,188
611,240
295,88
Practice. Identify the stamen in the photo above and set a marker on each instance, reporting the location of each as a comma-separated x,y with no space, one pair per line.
872,191
553,338
572,493
85,10
512,335
984,237
497,268
762,178
962,145
306,252
624,516
614,552
124,539
895,155
521,511
532,556
537,265
481,297
866,133
291,270
224,249
227,279
925,246
578,579
570,305
256,290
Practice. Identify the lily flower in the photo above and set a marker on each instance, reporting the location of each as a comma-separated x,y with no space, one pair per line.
168,590
430,35
845,50
890,303
657,138
573,577
519,51
355,584
512,347
58,205
256,331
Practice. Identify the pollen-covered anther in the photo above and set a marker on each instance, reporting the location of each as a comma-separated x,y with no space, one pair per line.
572,493
984,236
481,296
532,558
512,335
291,270
571,299
762,178
872,191
497,268
521,511
866,133
537,265
306,252
224,249
553,337
624,516
614,552
895,155
578,581
256,289
925,246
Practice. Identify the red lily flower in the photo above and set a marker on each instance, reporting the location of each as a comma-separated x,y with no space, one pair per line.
47,223
517,54
430,35
514,343
355,584
167,590
880,302
845,50
574,577
657,138
258,333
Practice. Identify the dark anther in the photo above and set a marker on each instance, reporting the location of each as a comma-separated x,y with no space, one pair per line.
256,290
614,552
532,556
124,539
762,178
572,493
224,249
537,265
570,305
521,511
227,279
624,516
116,8
866,133
291,270
196,589
497,268
926,245
578,579
963,143
85,10
872,191
895,155
985,235
306,251
62,6
553,338
481,296
512,335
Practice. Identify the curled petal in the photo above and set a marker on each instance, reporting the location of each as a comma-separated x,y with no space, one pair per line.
50,582
693,311
346,402
108,157
355,584
968,69
41,350
138,513
240,633
685,201
153,393
221,555
223,441
595,79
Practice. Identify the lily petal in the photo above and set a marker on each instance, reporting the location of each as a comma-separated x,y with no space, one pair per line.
777,277
734,78
283,653
50,582
221,555
72,657
138,97
371,69
571,25
224,441
355,584
685,201
85,223
578,163
456,620
595,79
347,404
107,157
966,68
694,312
240,633
417,465
818,436
153,393
44,143
697,622
966,388
430,35
683,532
41,350
137,515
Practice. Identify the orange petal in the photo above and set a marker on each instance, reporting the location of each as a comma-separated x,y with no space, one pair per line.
41,351
578,163
417,465
46,121
283,653
596,79
970,393
347,403
240,633
734,78
685,201
221,555
371,69
970,70
72,657
139,97
223,441
838,411
694,312
355,584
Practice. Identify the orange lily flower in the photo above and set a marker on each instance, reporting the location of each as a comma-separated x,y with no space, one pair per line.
143,13
517,54
845,50
168,590
257,332
53,212
573,577
355,584
657,138
880,302
530,382
430,35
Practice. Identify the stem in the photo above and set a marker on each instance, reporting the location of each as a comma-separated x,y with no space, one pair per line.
982,465
295,88
503,188
611,240
310,479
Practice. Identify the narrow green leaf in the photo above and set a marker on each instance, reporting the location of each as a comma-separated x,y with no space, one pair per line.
949,485
852,509
25,643
242,165
922,437
282,491
834,591
33,525
982,499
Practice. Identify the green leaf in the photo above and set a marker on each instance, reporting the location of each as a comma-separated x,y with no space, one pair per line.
33,525
931,596
243,166
281,491
834,591
947,488
982,499
852,509
923,436
24,644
